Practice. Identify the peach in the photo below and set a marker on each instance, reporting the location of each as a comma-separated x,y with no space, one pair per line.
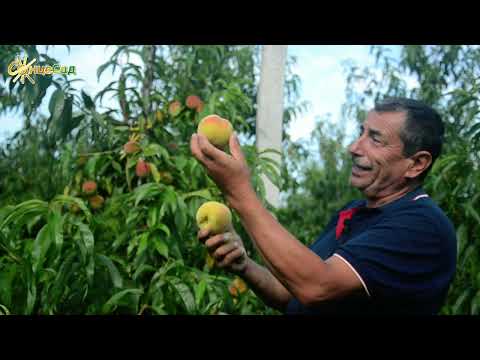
193,102
142,169
89,187
216,129
96,202
131,147
174,108
214,216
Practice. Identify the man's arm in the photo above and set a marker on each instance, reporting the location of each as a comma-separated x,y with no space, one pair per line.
229,253
303,273
266,286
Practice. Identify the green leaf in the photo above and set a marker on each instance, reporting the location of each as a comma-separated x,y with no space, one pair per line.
114,273
185,294
31,290
170,198
33,221
152,149
142,269
102,68
105,90
117,166
71,200
55,220
152,217
88,242
87,100
100,119
462,239
56,105
8,249
90,166
116,299
4,310
475,304
143,244
161,247
273,162
11,85
458,304
155,173
149,190
200,292
64,271
164,228
131,162
40,247
473,212
65,122
19,213
269,150
204,193
7,278
271,173
132,217
181,215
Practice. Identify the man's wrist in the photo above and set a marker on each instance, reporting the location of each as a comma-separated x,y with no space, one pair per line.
249,264
241,199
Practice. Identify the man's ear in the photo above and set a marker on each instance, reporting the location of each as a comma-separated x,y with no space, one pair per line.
420,162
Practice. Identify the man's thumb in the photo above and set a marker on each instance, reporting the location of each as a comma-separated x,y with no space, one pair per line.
235,148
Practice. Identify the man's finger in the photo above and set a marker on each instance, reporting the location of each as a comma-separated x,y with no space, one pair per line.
197,152
235,148
224,250
231,258
203,234
210,151
215,241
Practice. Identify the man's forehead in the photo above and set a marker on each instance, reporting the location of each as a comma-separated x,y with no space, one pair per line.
385,120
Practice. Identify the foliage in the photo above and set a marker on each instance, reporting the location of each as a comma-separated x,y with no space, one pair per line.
138,252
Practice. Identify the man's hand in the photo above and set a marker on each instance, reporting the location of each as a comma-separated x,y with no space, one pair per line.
227,249
229,172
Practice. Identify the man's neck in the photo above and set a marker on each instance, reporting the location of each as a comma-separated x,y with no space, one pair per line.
375,202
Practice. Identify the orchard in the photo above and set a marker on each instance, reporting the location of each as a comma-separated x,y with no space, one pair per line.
101,199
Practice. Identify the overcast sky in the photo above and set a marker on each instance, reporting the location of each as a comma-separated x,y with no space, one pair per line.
319,67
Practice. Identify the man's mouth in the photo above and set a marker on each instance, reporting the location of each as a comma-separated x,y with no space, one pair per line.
358,167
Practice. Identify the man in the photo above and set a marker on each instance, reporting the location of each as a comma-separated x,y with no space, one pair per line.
393,252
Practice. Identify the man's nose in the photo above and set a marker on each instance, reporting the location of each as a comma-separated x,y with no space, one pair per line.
355,147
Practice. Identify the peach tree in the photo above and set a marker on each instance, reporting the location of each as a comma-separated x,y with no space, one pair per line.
99,212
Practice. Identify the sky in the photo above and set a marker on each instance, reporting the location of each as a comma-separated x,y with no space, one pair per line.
319,67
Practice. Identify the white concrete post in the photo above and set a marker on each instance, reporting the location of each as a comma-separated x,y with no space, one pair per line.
270,108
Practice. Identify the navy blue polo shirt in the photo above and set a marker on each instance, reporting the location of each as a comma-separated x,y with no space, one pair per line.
404,253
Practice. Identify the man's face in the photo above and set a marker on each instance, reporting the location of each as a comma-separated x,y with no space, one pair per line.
378,164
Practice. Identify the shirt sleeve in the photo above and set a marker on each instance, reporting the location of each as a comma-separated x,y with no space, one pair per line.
397,257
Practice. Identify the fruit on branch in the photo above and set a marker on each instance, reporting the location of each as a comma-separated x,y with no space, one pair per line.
174,108
142,169
96,202
89,187
131,147
194,102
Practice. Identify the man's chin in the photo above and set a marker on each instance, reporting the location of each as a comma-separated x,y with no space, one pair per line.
356,183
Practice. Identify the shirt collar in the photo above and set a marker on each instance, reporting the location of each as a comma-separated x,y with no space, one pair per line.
362,205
